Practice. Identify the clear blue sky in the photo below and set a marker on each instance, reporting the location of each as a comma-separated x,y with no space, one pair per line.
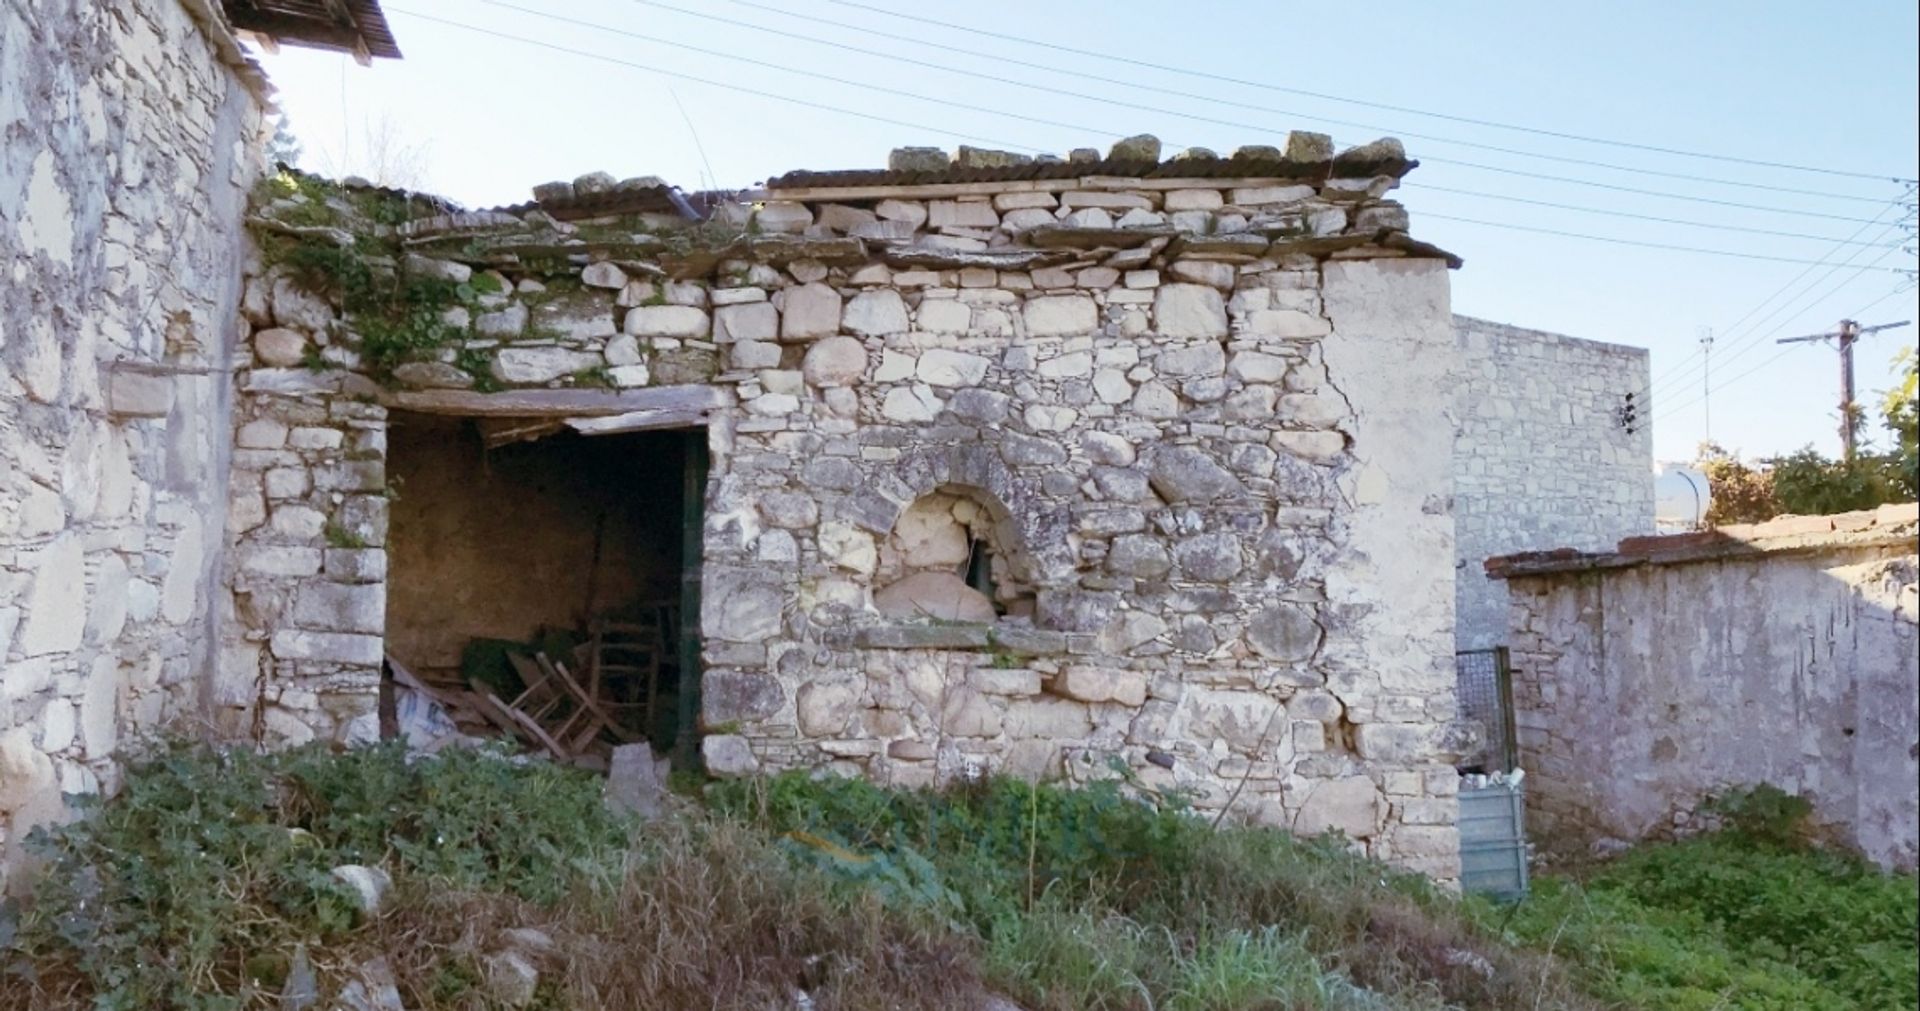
1830,85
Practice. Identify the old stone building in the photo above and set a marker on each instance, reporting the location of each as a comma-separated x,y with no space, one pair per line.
990,465
1555,450
132,141
131,144
1074,467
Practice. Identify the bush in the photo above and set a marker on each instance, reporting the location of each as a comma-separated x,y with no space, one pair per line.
191,889
1096,898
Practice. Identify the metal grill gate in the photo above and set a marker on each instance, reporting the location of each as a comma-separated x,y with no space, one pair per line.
1484,686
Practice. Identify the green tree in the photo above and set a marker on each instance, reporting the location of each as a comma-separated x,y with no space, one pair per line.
1806,483
1741,492
1902,418
283,148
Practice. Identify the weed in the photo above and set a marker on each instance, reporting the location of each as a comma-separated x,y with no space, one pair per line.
339,536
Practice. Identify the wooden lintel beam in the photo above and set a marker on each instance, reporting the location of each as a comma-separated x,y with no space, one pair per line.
638,421
572,403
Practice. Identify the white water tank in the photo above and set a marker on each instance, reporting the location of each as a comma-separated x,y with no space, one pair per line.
1680,497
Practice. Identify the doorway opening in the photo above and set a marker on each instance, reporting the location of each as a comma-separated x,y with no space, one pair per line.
544,583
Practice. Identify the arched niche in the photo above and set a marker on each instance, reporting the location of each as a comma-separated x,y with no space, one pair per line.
951,537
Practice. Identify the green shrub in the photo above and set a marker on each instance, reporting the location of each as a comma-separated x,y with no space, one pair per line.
210,865
1752,917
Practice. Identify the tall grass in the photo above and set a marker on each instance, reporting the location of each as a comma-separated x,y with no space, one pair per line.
205,883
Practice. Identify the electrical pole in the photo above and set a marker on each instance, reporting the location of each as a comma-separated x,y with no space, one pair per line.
1848,333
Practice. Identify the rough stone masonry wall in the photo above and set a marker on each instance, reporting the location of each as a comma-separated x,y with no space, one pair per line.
1781,653
1544,457
1198,424
129,148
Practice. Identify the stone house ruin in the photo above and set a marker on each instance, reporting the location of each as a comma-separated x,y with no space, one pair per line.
978,464
1071,467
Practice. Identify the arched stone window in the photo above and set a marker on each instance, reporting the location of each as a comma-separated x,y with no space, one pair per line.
952,556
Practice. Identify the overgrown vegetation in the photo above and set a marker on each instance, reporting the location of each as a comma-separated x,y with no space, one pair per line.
1752,917
398,316
195,888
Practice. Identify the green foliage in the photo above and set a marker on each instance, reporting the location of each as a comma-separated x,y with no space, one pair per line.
1741,493
1101,897
1764,814
1752,917
194,888
399,317
339,536
1900,409
209,863
1808,484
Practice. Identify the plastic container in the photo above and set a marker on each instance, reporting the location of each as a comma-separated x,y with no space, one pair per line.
1493,840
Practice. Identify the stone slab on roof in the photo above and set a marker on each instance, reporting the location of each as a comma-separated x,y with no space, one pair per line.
1381,158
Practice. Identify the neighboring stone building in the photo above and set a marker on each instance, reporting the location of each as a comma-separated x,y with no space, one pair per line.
996,465
132,141
1654,676
1555,449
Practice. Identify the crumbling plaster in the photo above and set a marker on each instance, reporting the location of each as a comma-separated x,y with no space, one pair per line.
1647,683
131,144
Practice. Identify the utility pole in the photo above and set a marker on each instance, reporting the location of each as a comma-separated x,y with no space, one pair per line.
1848,333
1706,378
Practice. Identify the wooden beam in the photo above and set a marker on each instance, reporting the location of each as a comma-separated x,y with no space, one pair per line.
570,403
311,31
638,421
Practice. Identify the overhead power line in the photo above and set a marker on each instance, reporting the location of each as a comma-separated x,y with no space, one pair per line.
948,102
1733,344
1670,411
1430,188
676,75
1210,99
1731,330
1101,131
1267,86
1632,242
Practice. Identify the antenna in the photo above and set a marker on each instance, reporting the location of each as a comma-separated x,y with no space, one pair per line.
1706,377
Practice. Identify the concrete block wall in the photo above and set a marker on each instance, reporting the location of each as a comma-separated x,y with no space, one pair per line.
132,141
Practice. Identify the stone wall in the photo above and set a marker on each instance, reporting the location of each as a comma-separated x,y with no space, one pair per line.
131,143
1545,457
1783,653
1189,426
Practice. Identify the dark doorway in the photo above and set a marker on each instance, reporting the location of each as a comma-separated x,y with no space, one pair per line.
517,548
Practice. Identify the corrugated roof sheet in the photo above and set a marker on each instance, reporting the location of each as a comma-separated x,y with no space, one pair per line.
318,23
1234,167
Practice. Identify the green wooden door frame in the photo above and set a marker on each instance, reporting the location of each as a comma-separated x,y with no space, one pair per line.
693,513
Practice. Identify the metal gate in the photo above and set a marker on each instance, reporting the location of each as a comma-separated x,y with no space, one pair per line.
1484,686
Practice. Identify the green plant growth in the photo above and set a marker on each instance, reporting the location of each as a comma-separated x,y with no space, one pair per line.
340,536
398,316
1753,917
207,877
